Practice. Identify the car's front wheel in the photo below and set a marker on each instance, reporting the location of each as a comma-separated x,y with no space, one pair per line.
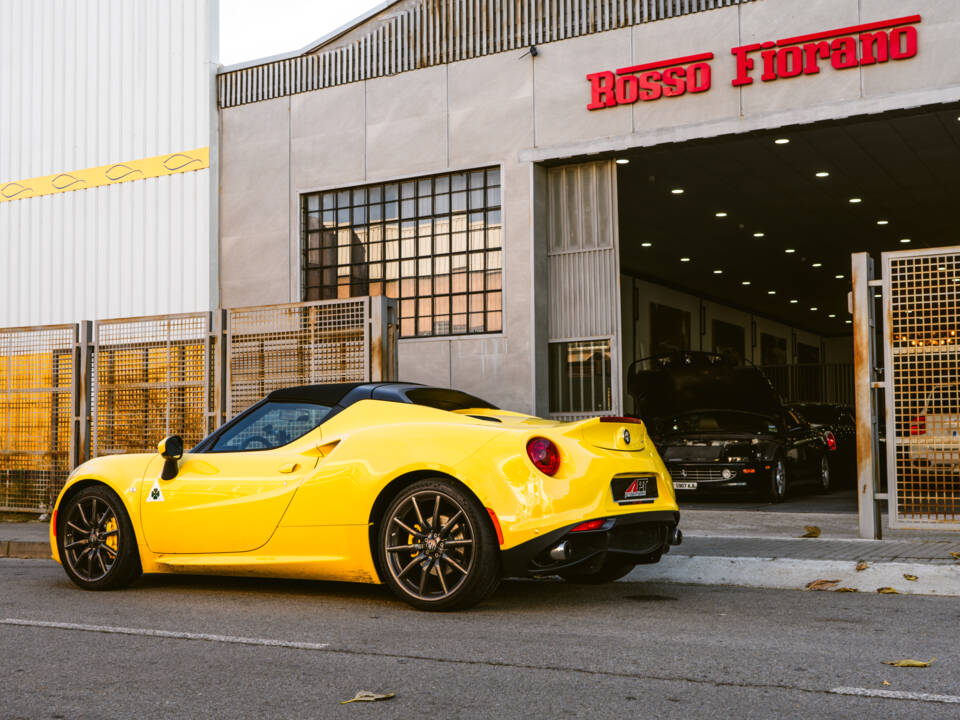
95,539
777,492
437,547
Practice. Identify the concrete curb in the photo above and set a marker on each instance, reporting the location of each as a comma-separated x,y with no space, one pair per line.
793,574
26,549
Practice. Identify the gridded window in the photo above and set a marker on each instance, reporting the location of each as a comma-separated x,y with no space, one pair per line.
580,379
435,243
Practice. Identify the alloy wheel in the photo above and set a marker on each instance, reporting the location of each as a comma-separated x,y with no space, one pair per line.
430,545
91,535
824,473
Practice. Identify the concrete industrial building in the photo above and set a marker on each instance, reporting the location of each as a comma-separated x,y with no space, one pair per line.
554,190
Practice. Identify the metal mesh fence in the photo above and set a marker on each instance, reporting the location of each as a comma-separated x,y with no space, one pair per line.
36,414
151,378
297,344
923,305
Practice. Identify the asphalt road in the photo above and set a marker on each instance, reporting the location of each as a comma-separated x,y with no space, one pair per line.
537,649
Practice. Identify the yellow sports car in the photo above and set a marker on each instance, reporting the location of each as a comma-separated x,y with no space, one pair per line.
432,491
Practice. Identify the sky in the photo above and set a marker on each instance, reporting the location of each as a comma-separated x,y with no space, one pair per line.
252,29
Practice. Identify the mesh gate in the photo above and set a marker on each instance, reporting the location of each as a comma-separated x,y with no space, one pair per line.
922,309
296,344
36,414
151,377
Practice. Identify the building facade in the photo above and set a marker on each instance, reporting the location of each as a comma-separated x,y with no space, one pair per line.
473,158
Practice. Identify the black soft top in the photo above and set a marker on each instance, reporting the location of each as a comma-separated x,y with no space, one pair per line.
342,395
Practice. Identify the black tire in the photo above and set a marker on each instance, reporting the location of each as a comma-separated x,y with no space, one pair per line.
824,486
97,546
609,572
777,490
437,547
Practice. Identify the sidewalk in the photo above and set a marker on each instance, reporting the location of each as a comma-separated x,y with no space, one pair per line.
741,547
24,540
764,549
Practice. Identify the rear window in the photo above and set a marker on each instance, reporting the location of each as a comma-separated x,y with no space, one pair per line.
449,400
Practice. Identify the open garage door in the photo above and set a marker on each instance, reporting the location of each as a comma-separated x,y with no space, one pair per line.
583,269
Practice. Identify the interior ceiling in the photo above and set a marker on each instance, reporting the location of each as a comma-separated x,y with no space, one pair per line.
904,167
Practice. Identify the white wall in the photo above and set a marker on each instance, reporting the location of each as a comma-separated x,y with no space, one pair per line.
86,84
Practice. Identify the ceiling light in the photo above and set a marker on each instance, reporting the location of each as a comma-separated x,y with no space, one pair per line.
794,302
823,174
849,322
789,251
758,234
684,259
883,222
745,282
646,244
942,267
622,161
771,292
782,141
905,240
839,277
876,295
721,214
814,308
832,315
817,265
853,200
677,191
718,272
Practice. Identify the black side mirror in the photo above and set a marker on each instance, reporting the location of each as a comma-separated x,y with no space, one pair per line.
171,450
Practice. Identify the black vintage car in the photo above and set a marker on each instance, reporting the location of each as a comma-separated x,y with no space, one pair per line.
723,428
839,427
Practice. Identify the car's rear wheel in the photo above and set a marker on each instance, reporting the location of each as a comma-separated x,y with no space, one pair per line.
97,546
778,482
825,476
609,571
437,547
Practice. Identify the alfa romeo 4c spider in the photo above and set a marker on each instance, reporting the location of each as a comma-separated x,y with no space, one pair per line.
431,491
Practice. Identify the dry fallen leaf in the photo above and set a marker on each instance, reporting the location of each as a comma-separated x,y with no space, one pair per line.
811,531
886,683
846,589
821,584
887,591
862,565
911,578
910,663
955,555
367,696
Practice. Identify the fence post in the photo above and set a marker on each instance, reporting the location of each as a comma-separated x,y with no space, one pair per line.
82,390
864,362
383,339
218,337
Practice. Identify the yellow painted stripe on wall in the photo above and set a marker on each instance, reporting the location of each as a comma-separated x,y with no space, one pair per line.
169,164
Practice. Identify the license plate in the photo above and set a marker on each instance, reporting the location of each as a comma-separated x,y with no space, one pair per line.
628,490
684,486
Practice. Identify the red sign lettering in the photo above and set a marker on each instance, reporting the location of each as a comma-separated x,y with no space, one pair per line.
643,83
850,47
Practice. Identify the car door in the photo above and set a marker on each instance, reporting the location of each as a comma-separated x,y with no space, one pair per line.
231,497
803,462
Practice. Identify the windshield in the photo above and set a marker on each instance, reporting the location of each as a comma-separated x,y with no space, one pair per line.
720,422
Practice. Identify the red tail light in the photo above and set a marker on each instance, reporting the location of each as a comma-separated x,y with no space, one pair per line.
831,440
619,419
918,425
589,525
544,455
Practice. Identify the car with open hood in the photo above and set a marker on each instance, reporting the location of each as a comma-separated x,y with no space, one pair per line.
722,427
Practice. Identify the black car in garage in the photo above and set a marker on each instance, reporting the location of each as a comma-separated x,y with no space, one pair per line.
839,427
722,427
